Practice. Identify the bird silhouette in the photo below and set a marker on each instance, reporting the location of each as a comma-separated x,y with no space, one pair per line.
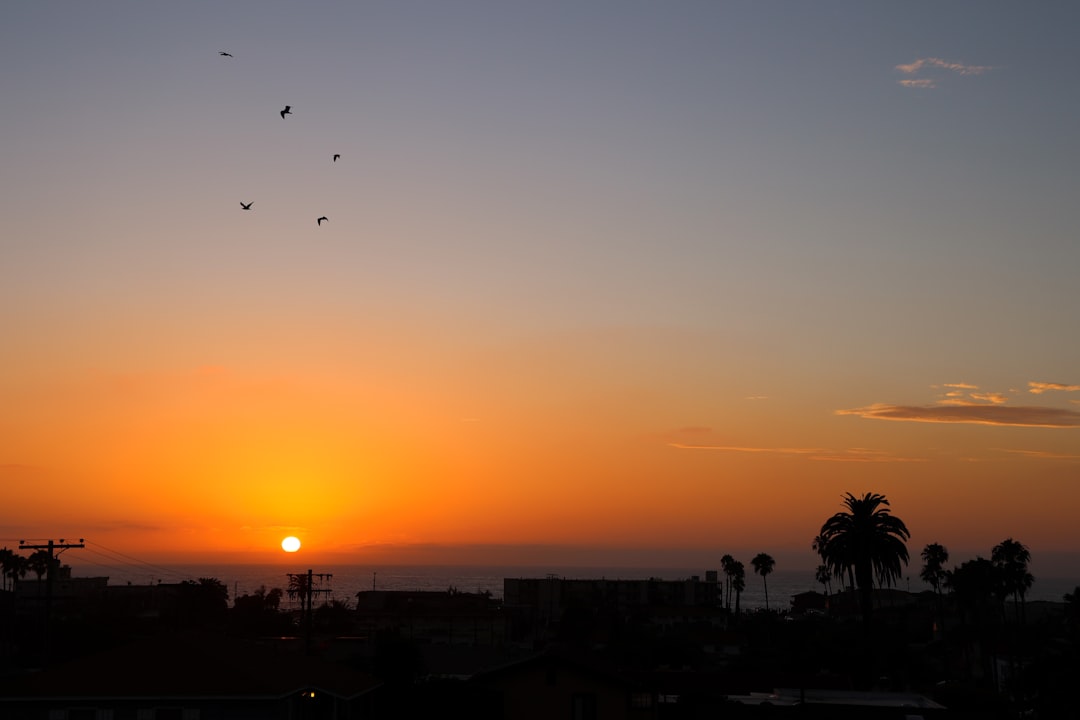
319,221
245,207
286,111
336,157
224,54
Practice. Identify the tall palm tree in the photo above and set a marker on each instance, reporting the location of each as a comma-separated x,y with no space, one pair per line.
1013,558
727,563
865,542
16,568
763,565
738,581
934,574
6,560
823,576
39,562
978,589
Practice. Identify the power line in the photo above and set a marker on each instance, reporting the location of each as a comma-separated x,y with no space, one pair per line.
157,568
53,549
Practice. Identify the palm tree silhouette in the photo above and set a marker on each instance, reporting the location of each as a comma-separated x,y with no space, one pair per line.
763,565
934,573
7,560
7,565
38,563
727,564
977,586
934,558
15,567
738,581
1013,558
823,576
865,542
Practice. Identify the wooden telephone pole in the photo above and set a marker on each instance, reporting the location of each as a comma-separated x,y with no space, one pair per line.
303,584
54,549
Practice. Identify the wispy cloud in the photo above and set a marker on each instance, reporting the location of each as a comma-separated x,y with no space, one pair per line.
959,394
1040,454
959,68
935,64
918,83
747,449
970,413
991,397
1038,388
861,455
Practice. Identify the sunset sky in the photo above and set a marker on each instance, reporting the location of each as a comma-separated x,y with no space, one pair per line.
622,281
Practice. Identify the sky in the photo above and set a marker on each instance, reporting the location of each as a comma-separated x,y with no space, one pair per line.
617,281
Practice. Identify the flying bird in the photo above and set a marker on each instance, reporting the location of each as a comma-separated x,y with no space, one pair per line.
319,221
336,156
224,54
245,207
286,111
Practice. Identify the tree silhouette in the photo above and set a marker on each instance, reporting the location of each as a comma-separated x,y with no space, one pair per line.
15,567
38,563
727,564
203,602
823,576
763,565
933,573
865,542
738,581
1012,557
7,559
975,584
260,601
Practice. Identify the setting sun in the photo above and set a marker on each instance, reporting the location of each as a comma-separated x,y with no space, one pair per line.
290,544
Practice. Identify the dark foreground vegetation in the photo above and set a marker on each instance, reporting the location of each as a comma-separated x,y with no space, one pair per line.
972,647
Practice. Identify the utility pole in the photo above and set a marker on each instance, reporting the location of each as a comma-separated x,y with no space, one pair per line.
54,548
304,585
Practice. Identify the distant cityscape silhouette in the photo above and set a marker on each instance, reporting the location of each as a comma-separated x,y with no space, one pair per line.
971,646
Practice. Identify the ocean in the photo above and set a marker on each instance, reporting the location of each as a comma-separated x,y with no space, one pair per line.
346,581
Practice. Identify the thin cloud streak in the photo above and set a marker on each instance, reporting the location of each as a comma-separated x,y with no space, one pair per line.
1037,388
959,68
1019,416
856,458
734,448
1040,454
932,63
995,398
816,454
